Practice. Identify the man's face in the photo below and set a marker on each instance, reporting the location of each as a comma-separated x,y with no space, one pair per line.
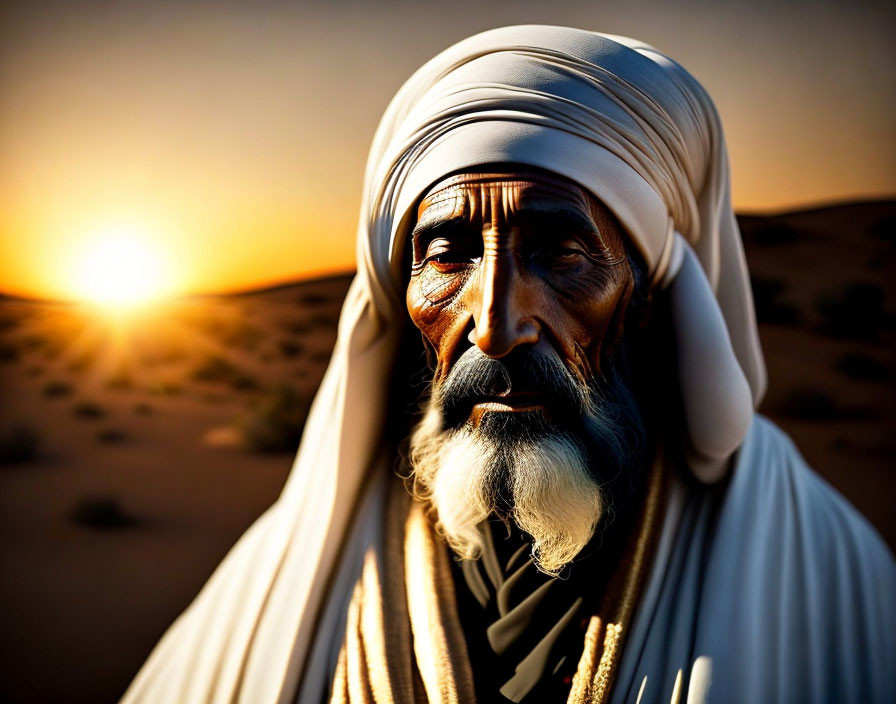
505,261
520,284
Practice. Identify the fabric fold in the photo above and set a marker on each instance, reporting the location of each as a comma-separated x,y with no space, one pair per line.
404,641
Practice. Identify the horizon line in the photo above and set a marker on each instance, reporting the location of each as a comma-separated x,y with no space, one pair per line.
340,272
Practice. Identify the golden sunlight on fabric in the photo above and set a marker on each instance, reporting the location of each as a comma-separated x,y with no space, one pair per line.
119,268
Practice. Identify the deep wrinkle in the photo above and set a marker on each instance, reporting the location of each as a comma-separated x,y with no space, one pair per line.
507,259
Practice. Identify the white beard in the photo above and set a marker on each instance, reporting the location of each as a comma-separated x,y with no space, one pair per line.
552,494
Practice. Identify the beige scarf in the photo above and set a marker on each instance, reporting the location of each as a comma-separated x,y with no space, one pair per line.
404,642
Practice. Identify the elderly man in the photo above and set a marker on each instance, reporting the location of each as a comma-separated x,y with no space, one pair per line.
533,471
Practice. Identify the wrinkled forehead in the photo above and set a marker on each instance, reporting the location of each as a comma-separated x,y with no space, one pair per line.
504,176
472,194
483,146
515,187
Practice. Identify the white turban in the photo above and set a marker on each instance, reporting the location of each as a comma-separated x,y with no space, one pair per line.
610,113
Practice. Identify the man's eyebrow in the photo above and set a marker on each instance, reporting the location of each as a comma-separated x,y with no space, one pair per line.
428,226
571,218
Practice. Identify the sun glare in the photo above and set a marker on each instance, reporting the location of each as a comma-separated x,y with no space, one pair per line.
120,269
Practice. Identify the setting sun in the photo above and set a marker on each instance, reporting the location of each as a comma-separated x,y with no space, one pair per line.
119,268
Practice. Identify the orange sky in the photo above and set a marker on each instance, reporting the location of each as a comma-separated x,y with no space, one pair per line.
232,139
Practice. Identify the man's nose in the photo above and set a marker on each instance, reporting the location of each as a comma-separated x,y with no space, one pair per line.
504,317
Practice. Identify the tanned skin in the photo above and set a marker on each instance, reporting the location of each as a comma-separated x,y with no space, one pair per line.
506,259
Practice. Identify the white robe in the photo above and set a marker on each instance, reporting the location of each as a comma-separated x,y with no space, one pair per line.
772,583
774,577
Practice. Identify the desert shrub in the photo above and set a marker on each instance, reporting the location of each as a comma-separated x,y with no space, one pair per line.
20,443
275,420
89,410
810,404
8,352
34,342
856,312
324,320
101,513
55,388
36,370
166,388
216,370
312,299
244,382
296,327
861,367
770,306
143,409
242,335
229,331
120,380
290,349
9,321
111,436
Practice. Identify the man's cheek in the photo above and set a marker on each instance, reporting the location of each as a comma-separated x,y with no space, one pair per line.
433,318
449,339
440,288
432,297
432,328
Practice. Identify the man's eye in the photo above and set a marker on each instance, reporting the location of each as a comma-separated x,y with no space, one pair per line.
565,254
444,256
449,257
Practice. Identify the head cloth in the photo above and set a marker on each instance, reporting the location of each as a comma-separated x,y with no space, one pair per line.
613,114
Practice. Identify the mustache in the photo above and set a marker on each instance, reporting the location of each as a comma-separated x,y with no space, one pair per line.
475,377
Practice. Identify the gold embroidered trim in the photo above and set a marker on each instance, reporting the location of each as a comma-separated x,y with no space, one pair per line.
581,682
439,642
403,640
596,671
607,661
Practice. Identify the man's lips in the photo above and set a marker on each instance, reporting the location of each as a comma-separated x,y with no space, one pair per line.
515,402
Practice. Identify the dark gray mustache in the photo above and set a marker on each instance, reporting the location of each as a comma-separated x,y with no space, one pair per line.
475,375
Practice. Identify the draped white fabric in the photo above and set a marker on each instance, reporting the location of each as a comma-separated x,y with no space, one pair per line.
776,582
612,114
